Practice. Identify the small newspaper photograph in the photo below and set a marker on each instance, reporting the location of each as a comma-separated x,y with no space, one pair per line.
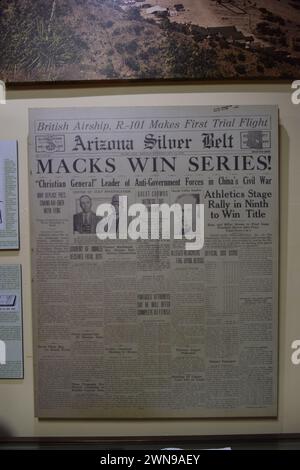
11,322
154,241
9,198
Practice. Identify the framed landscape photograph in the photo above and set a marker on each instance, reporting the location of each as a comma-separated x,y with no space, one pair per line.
9,196
98,40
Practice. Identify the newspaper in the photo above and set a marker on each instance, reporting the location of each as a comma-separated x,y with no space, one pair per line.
11,322
9,199
146,328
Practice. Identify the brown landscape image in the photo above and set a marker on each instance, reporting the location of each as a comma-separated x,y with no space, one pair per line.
46,40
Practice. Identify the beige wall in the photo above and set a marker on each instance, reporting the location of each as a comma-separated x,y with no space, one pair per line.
16,397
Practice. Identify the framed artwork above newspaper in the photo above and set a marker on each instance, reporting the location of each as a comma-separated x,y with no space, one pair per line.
97,40
155,261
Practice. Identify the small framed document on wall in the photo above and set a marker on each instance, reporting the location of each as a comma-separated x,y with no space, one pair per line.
9,197
130,321
11,322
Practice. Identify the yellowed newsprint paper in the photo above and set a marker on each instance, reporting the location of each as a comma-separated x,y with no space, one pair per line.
146,328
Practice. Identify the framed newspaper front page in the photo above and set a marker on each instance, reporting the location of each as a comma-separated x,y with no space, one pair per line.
155,261
9,196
